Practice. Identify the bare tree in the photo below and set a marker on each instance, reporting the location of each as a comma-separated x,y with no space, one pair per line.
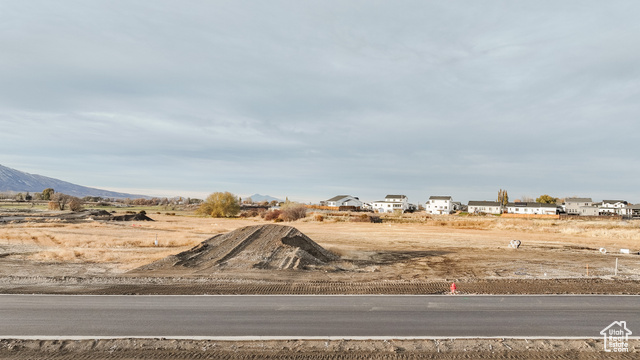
60,201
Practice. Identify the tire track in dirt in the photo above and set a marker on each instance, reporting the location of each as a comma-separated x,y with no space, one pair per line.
224,286
316,349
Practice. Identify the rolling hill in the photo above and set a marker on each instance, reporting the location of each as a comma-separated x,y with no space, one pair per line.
12,180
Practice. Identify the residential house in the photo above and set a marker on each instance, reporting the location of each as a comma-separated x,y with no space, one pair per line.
532,208
633,211
439,205
617,207
580,206
487,207
391,203
344,200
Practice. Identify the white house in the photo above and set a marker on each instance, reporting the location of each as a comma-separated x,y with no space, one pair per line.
532,208
487,207
439,205
391,203
344,200
618,207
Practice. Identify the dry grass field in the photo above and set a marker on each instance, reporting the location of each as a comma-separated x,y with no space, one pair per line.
410,247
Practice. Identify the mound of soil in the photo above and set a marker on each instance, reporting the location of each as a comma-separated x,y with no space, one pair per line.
131,217
251,247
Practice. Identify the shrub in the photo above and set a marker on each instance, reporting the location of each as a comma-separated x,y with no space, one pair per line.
294,212
318,217
220,205
271,215
249,213
53,205
361,218
375,219
75,204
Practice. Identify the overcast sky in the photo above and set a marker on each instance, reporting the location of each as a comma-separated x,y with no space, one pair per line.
311,99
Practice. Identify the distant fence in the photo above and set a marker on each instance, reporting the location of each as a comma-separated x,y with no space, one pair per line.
590,217
318,207
530,216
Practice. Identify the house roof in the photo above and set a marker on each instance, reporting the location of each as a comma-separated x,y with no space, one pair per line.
395,197
439,197
336,198
484,203
532,205
386,202
577,200
613,201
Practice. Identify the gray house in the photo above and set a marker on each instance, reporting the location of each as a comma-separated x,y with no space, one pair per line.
344,200
633,211
580,206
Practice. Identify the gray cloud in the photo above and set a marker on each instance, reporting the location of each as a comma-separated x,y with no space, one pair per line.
312,99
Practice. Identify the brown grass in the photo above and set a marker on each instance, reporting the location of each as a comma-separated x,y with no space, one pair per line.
130,244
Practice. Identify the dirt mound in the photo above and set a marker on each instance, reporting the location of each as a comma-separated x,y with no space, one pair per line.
141,216
251,247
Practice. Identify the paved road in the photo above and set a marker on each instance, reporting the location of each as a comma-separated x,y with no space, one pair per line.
314,316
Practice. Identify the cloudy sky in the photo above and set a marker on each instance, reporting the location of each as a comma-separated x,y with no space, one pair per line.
311,99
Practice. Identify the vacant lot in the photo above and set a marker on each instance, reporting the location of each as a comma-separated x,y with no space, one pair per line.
414,248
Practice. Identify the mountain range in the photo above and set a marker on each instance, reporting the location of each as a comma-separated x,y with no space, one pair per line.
259,198
12,180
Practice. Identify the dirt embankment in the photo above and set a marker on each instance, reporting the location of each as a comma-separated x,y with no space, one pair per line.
310,349
70,217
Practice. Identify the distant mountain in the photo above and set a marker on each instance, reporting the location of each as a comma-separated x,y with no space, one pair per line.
259,198
18,181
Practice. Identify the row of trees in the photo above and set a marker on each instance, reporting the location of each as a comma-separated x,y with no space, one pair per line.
45,195
57,201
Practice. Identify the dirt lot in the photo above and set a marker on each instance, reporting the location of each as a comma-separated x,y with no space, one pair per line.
409,255
401,255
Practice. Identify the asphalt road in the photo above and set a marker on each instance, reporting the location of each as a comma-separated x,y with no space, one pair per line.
23,316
